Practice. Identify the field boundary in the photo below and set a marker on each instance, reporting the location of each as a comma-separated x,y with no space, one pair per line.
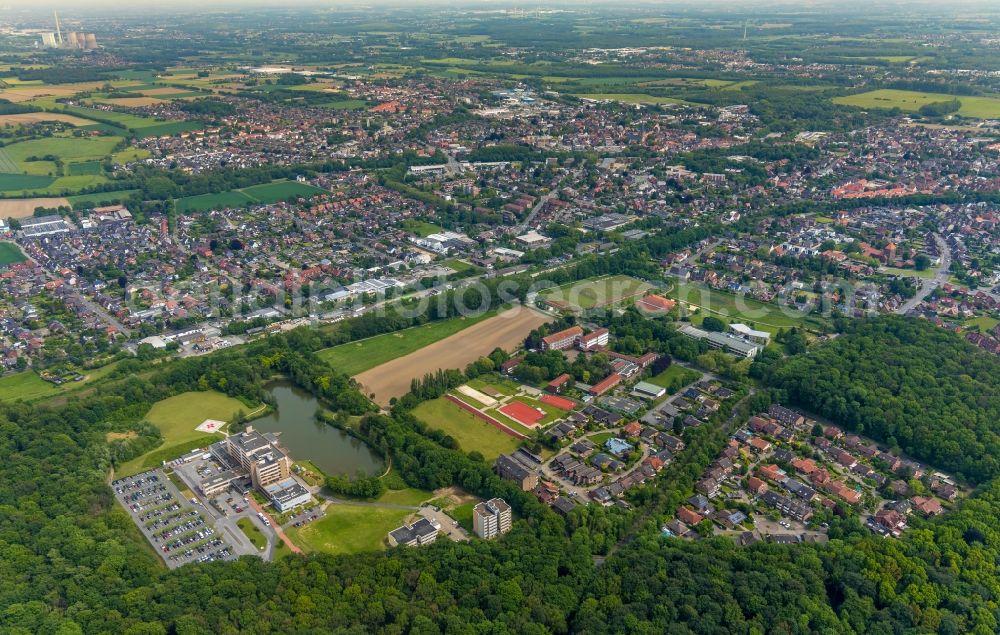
485,417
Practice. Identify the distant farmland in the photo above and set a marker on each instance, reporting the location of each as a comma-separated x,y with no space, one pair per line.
505,331
10,254
911,101
356,357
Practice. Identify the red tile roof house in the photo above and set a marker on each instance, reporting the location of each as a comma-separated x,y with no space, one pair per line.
605,384
557,384
562,339
772,472
655,304
927,506
689,517
756,485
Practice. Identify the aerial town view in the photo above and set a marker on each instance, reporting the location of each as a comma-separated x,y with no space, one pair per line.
565,316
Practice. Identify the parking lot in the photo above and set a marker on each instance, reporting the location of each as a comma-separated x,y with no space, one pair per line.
178,530
305,518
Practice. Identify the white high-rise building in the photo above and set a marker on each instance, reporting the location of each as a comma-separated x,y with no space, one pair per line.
491,519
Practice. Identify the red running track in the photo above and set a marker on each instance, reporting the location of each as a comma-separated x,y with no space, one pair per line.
485,417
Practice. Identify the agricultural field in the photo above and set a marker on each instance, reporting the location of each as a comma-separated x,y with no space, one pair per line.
82,201
471,433
356,357
911,101
506,330
36,117
349,529
596,292
701,301
630,98
69,149
10,254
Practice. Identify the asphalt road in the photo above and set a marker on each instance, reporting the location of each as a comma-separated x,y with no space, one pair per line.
928,285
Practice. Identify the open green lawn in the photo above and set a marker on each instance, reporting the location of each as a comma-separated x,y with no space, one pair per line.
911,101
674,378
463,514
10,254
252,532
357,357
596,292
421,228
496,382
764,316
985,323
25,385
926,273
253,195
471,433
280,191
410,496
348,529
28,385
177,417
459,266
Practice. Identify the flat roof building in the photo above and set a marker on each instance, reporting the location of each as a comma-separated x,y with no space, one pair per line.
728,343
44,226
561,340
747,333
288,494
511,469
646,390
259,456
422,532
491,518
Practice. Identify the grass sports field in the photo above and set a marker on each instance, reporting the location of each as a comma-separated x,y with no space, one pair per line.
357,357
471,433
348,529
253,195
596,292
176,418
9,254
702,301
911,101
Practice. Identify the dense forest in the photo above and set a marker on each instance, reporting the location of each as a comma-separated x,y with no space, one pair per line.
909,384
72,562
